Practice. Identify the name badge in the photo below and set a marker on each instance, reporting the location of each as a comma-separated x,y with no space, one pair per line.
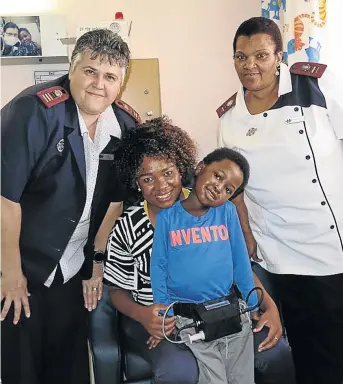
294,120
106,156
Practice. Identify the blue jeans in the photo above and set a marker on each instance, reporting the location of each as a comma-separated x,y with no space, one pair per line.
274,366
170,364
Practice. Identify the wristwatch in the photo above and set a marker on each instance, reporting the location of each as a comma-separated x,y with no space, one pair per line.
98,256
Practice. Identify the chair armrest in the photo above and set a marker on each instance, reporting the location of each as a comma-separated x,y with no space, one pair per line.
104,341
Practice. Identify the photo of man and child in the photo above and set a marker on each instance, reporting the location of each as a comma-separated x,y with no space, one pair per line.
20,36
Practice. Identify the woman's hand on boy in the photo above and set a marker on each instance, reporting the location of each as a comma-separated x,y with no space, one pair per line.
271,319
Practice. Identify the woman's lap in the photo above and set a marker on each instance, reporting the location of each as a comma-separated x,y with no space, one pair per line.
170,364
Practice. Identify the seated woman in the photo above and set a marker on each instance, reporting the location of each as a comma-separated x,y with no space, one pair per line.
156,160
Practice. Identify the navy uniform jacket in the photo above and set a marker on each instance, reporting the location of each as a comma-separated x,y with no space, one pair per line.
43,169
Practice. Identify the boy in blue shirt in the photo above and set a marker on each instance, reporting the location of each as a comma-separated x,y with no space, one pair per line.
198,252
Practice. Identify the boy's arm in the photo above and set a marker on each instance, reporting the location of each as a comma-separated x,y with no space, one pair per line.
244,220
242,272
159,262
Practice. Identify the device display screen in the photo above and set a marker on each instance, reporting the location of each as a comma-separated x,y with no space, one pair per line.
216,305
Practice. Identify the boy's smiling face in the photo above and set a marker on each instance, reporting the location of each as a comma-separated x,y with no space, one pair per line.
217,182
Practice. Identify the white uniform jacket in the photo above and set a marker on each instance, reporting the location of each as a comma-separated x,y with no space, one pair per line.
295,150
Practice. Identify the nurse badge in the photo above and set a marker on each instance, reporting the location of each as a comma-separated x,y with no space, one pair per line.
60,145
251,131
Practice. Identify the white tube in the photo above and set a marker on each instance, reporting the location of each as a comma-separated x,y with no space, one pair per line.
198,336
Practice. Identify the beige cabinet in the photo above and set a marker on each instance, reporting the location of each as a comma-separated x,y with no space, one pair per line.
142,88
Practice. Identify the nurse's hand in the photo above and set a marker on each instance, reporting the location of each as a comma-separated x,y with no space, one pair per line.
271,319
14,290
92,288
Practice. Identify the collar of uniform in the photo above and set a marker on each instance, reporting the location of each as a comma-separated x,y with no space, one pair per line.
83,127
71,117
285,82
285,86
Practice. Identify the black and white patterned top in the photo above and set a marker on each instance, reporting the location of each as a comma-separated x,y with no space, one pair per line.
128,253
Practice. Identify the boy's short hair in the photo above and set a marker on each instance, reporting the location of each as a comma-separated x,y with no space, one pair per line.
230,154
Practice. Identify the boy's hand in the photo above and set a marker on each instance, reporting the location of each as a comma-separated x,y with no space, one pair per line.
153,341
152,322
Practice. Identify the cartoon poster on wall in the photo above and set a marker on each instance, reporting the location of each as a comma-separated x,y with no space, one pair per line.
303,27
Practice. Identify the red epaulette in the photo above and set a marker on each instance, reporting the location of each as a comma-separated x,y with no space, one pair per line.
308,69
231,102
52,96
125,107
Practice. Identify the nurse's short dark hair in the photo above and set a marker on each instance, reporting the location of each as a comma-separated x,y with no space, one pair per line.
160,139
257,25
220,154
103,44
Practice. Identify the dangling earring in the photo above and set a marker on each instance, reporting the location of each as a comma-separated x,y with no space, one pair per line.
277,72
139,190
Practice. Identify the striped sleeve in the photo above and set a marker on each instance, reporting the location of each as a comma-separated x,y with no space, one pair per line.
120,269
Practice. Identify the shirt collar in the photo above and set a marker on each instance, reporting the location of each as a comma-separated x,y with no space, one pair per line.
107,123
83,127
240,111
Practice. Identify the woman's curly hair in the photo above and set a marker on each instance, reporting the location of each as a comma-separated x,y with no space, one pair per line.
156,138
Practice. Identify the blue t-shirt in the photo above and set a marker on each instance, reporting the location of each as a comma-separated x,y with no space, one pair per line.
196,259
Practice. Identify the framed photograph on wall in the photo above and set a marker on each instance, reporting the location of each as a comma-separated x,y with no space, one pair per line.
20,36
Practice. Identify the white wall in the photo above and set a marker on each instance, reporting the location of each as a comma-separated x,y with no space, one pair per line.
192,40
